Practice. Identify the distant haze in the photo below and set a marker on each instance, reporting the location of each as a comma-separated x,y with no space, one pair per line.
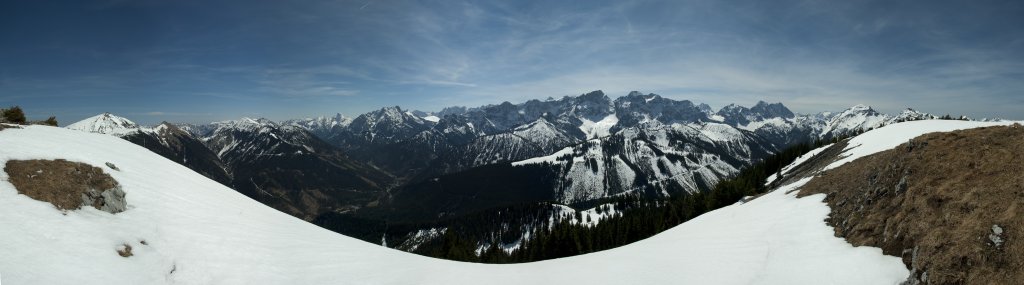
201,61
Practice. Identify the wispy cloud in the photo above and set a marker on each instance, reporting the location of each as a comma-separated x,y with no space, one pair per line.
354,56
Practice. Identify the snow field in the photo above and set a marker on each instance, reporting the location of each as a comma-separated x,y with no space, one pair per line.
200,232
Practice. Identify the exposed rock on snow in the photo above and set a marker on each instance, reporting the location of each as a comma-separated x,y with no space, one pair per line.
124,250
67,185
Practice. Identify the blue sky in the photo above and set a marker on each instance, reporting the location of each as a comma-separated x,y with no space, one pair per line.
196,61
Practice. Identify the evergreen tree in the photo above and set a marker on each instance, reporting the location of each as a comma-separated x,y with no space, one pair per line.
14,115
52,121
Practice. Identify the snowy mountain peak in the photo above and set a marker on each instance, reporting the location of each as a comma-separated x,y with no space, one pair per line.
732,107
857,118
912,115
735,115
706,109
539,123
259,121
106,123
596,95
392,115
165,127
545,134
861,108
246,123
393,111
321,123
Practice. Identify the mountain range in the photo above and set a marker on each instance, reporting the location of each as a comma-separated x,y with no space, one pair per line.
395,166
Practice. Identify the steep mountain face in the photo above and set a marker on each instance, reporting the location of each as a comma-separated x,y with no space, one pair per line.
741,116
656,161
544,135
290,169
169,141
653,162
165,139
636,108
765,110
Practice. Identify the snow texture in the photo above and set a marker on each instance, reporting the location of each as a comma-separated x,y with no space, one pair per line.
186,229
431,118
602,128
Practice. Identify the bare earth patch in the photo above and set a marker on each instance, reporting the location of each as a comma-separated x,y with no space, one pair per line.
951,204
67,185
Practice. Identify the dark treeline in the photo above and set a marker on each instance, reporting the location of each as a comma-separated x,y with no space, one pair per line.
637,218
14,115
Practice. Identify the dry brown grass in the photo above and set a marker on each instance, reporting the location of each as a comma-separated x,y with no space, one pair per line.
934,202
60,182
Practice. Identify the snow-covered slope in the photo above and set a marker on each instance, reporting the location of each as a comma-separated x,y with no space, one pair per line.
890,136
602,128
164,139
197,231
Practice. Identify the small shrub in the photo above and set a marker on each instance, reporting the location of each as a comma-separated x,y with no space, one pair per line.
14,115
52,121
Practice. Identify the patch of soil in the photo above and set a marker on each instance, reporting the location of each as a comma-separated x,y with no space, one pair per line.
950,204
67,185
